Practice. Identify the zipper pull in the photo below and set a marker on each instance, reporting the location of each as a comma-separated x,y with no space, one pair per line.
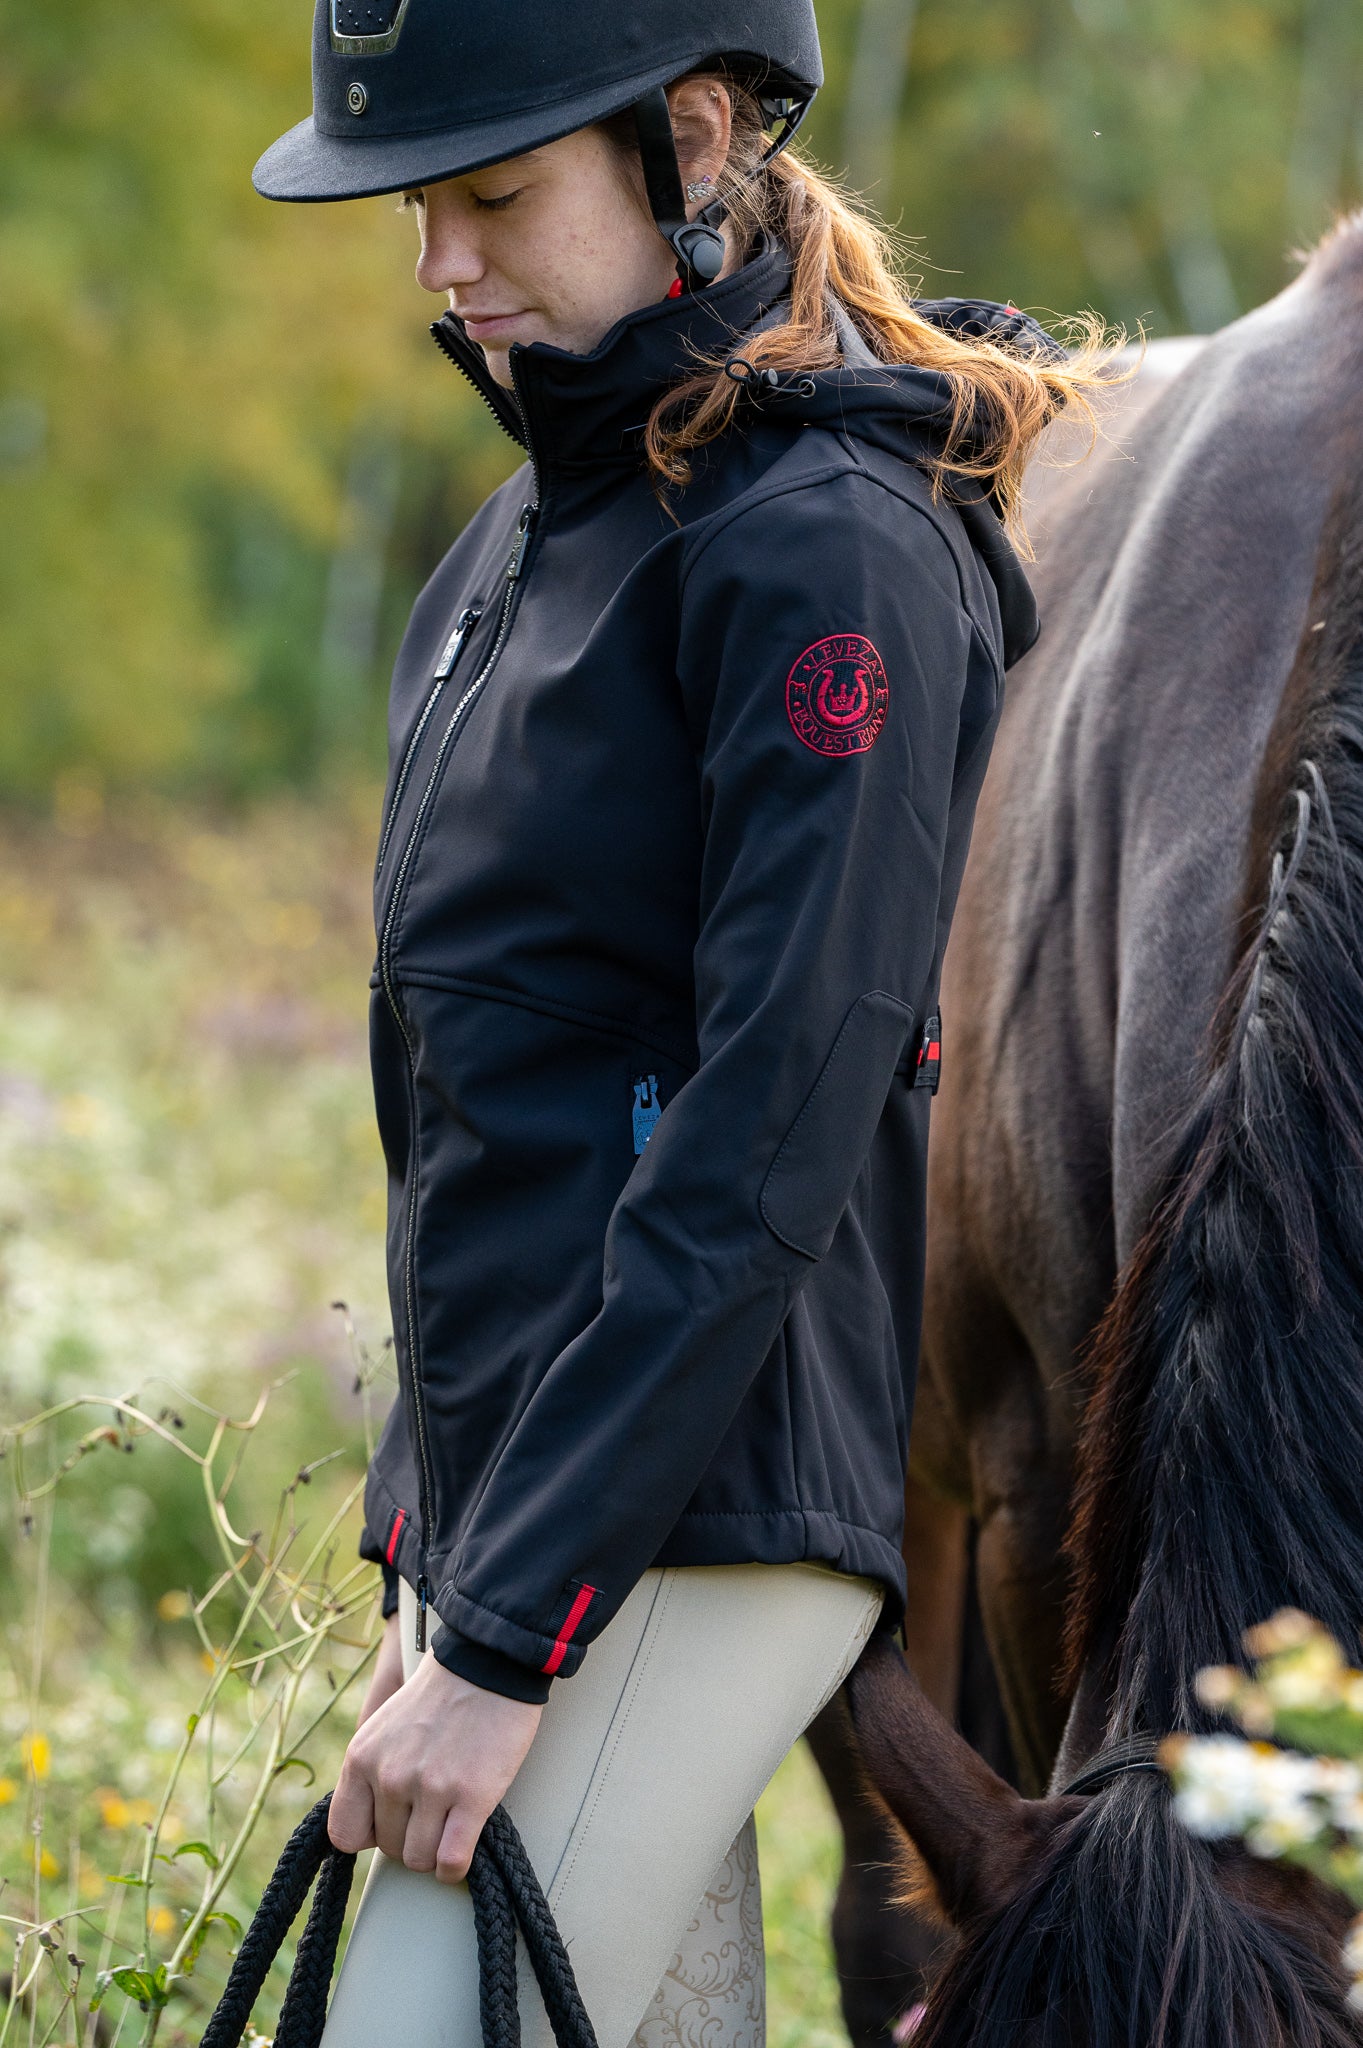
513,567
422,1589
647,1109
454,646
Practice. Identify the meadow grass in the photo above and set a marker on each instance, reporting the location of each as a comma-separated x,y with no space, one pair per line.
189,1182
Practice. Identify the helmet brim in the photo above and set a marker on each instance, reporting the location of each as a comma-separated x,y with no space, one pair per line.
307,166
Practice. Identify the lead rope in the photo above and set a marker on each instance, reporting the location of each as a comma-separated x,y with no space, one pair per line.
505,1893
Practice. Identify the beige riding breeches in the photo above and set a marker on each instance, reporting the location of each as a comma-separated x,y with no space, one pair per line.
635,1804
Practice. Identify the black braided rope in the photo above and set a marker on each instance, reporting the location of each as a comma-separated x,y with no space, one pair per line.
495,1925
304,1854
303,2014
505,1893
504,1849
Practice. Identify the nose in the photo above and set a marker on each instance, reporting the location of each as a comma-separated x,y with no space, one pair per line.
450,256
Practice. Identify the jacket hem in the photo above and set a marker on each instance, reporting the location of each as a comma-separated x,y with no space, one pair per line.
754,1536
790,1536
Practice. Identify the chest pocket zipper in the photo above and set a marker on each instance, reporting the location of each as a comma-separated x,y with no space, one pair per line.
444,669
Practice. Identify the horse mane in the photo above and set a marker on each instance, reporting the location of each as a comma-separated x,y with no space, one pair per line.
1222,1446
1223,1439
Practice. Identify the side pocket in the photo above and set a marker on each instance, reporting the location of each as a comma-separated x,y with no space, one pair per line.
811,1178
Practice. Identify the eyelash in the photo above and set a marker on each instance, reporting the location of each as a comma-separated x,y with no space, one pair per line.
411,201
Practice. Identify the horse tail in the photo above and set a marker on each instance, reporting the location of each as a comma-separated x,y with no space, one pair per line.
1220,1462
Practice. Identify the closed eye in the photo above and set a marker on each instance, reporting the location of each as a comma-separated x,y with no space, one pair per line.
497,205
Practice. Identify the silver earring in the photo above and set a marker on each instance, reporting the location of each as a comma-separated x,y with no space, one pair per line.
700,187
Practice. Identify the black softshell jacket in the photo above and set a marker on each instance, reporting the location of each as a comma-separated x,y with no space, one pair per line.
677,812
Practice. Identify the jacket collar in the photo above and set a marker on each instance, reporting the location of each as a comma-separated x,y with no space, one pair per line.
570,411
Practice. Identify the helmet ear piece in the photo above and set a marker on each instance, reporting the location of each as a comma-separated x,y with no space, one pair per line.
698,244
700,254
666,199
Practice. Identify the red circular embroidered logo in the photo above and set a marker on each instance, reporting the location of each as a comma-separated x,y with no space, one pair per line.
837,695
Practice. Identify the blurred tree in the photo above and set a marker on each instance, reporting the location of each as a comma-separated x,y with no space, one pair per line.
228,455
196,530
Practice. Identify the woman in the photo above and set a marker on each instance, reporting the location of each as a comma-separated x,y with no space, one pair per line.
687,731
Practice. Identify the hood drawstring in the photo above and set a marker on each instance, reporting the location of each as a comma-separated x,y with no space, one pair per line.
761,384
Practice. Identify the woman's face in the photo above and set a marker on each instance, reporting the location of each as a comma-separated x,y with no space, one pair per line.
557,245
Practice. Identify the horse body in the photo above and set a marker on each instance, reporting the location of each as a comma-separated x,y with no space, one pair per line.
1102,907
1155,882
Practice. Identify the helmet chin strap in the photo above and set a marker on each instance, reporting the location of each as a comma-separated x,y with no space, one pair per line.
697,244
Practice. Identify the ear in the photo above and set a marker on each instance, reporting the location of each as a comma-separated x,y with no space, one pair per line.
976,1836
702,121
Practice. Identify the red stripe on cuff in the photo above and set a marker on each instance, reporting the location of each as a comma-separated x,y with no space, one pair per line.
391,1551
586,1594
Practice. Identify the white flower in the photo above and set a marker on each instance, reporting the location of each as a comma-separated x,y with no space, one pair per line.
1290,1825
1218,1789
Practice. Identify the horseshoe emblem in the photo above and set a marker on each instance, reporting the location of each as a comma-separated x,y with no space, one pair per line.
837,695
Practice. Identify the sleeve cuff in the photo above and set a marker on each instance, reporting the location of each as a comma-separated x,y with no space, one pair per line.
490,1669
391,1582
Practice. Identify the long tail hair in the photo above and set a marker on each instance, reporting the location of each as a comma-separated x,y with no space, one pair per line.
1001,398
1221,1460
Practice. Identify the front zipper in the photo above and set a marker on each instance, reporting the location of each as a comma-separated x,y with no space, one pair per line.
444,669
513,577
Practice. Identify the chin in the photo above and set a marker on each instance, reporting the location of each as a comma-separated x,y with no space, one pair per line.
498,359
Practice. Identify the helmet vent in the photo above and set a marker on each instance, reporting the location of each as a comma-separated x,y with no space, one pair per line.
366,28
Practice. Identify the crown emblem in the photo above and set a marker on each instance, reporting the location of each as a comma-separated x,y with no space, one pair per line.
841,698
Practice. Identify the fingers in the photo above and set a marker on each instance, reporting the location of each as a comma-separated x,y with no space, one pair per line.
458,1840
425,1830
350,1821
392,1818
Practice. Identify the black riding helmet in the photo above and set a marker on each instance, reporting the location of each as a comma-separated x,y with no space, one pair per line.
407,92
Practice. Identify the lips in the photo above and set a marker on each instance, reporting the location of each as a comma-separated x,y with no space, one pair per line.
488,326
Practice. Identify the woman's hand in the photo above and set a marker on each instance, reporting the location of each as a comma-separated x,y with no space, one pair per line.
426,1767
386,1676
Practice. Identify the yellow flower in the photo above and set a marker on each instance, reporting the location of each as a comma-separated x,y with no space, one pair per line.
113,1810
37,1755
163,1921
208,1660
8,1791
48,1865
142,1811
173,1606
172,1827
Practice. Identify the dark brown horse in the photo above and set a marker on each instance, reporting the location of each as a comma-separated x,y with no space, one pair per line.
1154,1084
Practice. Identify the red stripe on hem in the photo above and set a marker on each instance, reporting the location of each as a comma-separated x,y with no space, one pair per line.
391,1551
585,1597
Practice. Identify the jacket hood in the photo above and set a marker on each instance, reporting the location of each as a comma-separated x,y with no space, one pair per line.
570,411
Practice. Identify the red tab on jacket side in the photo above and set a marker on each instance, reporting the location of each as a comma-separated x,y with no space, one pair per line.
584,1599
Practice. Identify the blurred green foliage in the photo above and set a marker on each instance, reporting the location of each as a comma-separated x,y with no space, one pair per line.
229,456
